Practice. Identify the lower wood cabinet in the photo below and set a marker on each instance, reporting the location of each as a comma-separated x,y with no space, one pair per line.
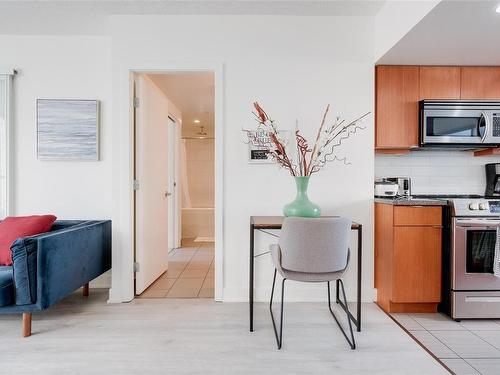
408,242
416,265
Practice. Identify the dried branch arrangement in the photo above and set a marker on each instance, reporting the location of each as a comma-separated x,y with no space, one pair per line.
308,160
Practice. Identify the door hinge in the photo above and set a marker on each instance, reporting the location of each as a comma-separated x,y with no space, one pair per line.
136,267
136,102
135,184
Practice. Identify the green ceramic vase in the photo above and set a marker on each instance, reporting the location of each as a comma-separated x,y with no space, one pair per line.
302,206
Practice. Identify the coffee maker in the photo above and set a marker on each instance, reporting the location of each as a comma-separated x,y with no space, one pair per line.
492,180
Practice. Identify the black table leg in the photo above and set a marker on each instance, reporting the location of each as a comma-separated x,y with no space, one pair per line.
250,285
360,263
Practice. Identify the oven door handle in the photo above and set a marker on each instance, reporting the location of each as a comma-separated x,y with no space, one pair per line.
480,227
471,223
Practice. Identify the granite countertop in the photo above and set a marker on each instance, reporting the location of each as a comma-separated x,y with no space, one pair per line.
412,201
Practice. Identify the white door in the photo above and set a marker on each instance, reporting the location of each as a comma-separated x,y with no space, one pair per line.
151,172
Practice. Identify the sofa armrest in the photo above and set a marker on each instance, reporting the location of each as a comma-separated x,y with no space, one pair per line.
71,258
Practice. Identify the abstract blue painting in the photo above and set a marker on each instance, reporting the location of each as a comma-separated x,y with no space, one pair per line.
67,129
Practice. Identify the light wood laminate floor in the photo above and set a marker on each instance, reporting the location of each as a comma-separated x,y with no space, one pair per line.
199,336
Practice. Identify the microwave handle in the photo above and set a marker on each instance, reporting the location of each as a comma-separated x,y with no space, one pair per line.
486,128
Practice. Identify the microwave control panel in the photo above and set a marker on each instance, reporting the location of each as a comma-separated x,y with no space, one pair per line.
496,125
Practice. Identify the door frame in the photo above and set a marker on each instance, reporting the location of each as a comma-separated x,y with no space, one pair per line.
122,287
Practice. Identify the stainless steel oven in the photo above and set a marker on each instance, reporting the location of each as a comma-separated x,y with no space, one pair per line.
475,290
460,124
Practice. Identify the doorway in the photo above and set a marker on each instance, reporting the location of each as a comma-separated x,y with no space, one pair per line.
174,184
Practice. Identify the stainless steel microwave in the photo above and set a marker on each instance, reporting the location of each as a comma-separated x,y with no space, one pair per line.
452,123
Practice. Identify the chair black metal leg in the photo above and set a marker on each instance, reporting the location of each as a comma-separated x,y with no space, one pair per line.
351,341
337,290
279,337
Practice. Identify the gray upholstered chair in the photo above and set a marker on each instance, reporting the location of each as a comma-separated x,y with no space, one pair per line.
312,251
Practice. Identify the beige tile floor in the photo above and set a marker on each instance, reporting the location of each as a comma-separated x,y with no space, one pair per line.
469,347
190,274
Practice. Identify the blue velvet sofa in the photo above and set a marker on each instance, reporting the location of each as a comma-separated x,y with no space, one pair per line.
49,266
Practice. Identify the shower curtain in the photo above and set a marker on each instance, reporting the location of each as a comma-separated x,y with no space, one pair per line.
186,198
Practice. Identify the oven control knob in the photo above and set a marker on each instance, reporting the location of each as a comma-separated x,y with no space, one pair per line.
473,206
482,206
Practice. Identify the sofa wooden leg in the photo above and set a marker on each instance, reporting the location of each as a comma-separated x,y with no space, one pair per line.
86,290
26,324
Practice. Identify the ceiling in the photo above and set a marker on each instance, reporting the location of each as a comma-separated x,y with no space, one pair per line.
194,95
90,16
454,33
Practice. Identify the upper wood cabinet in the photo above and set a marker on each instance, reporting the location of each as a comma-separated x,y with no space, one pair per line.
399,88
396,113
439,82
480,82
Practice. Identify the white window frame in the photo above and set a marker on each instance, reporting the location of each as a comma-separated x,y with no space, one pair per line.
7,75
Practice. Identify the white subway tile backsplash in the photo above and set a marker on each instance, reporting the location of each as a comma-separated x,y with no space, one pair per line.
437,172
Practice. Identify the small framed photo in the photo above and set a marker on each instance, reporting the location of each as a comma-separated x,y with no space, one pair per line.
67,129
259,145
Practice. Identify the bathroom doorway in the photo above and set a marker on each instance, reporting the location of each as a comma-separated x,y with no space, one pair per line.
185,267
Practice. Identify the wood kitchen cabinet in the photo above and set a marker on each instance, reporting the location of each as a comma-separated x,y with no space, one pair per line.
408,243
439,82
480,82
396,112
399,88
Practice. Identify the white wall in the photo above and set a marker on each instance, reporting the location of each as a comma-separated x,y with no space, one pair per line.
200,168
66,68
59,67
294,66
437,172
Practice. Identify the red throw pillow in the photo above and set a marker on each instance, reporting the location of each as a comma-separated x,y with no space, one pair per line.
14,227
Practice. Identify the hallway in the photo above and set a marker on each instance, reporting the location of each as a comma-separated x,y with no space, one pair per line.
190,274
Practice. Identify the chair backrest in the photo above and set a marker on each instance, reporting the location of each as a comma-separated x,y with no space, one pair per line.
314,245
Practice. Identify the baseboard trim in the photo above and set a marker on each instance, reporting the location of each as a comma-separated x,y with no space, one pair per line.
312,294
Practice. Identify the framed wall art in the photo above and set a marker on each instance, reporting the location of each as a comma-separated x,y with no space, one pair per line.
67,129
259,145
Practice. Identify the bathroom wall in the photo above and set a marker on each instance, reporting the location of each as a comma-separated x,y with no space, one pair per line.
198,218
437,172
